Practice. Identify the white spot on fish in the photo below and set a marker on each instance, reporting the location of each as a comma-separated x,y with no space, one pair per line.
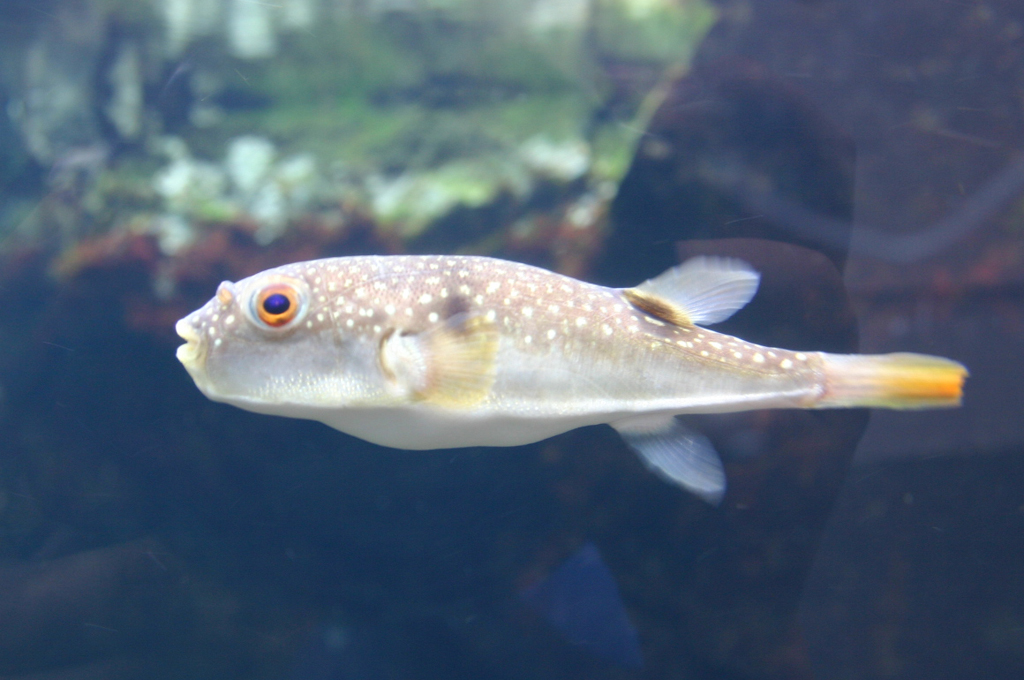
350,323
800,356
490,316
320,317
716,345
786,363
493,286
738,355
758,358
551,335
432,317
217,342
606,328
528,339
527,311
230,320
426,298
389,309
580,321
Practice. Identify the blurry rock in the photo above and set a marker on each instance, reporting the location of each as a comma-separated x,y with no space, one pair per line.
125,106
299,14
185,19
250,29
56,110
269,209
563,162
413,201
729,129
248,161
190,186
174,233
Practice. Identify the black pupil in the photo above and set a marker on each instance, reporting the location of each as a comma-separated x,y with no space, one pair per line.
276,304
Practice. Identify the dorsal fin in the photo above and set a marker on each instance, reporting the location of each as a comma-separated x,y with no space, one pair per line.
701,291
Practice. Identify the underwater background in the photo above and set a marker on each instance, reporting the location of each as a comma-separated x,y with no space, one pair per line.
864,156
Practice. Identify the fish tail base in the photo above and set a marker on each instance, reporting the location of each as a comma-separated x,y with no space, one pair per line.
898,381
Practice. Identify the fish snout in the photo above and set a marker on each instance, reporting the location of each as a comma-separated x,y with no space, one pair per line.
191,353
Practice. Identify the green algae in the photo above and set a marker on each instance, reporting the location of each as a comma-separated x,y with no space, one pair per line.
412,114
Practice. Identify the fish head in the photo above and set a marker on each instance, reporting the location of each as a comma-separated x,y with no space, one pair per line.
267,344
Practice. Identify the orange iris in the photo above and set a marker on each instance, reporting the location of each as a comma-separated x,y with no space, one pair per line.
277,304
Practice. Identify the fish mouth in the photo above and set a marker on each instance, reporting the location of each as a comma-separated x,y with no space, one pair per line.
191,352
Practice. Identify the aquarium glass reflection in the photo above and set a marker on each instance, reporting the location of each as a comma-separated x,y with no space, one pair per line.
534,339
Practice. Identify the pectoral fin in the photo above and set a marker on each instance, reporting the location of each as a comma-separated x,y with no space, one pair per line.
451,365
701,291
677,453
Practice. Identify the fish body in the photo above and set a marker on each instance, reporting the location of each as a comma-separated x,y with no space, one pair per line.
425,352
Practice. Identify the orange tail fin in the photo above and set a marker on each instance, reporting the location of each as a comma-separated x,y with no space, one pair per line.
901,380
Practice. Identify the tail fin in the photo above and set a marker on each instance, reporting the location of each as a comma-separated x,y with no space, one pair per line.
902,381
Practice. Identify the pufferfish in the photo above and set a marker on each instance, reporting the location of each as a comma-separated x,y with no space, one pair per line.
429,352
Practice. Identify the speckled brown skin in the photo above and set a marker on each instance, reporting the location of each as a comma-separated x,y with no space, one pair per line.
568,353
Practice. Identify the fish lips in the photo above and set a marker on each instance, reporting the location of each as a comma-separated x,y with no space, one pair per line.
192,354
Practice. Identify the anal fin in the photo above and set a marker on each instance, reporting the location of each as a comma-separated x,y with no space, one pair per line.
676,453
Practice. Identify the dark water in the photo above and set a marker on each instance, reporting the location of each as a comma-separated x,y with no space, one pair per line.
865,157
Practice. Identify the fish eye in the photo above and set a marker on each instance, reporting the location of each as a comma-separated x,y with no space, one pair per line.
277,305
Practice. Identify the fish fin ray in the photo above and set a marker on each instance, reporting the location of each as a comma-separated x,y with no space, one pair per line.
676,453
701,291
902,380
451,365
